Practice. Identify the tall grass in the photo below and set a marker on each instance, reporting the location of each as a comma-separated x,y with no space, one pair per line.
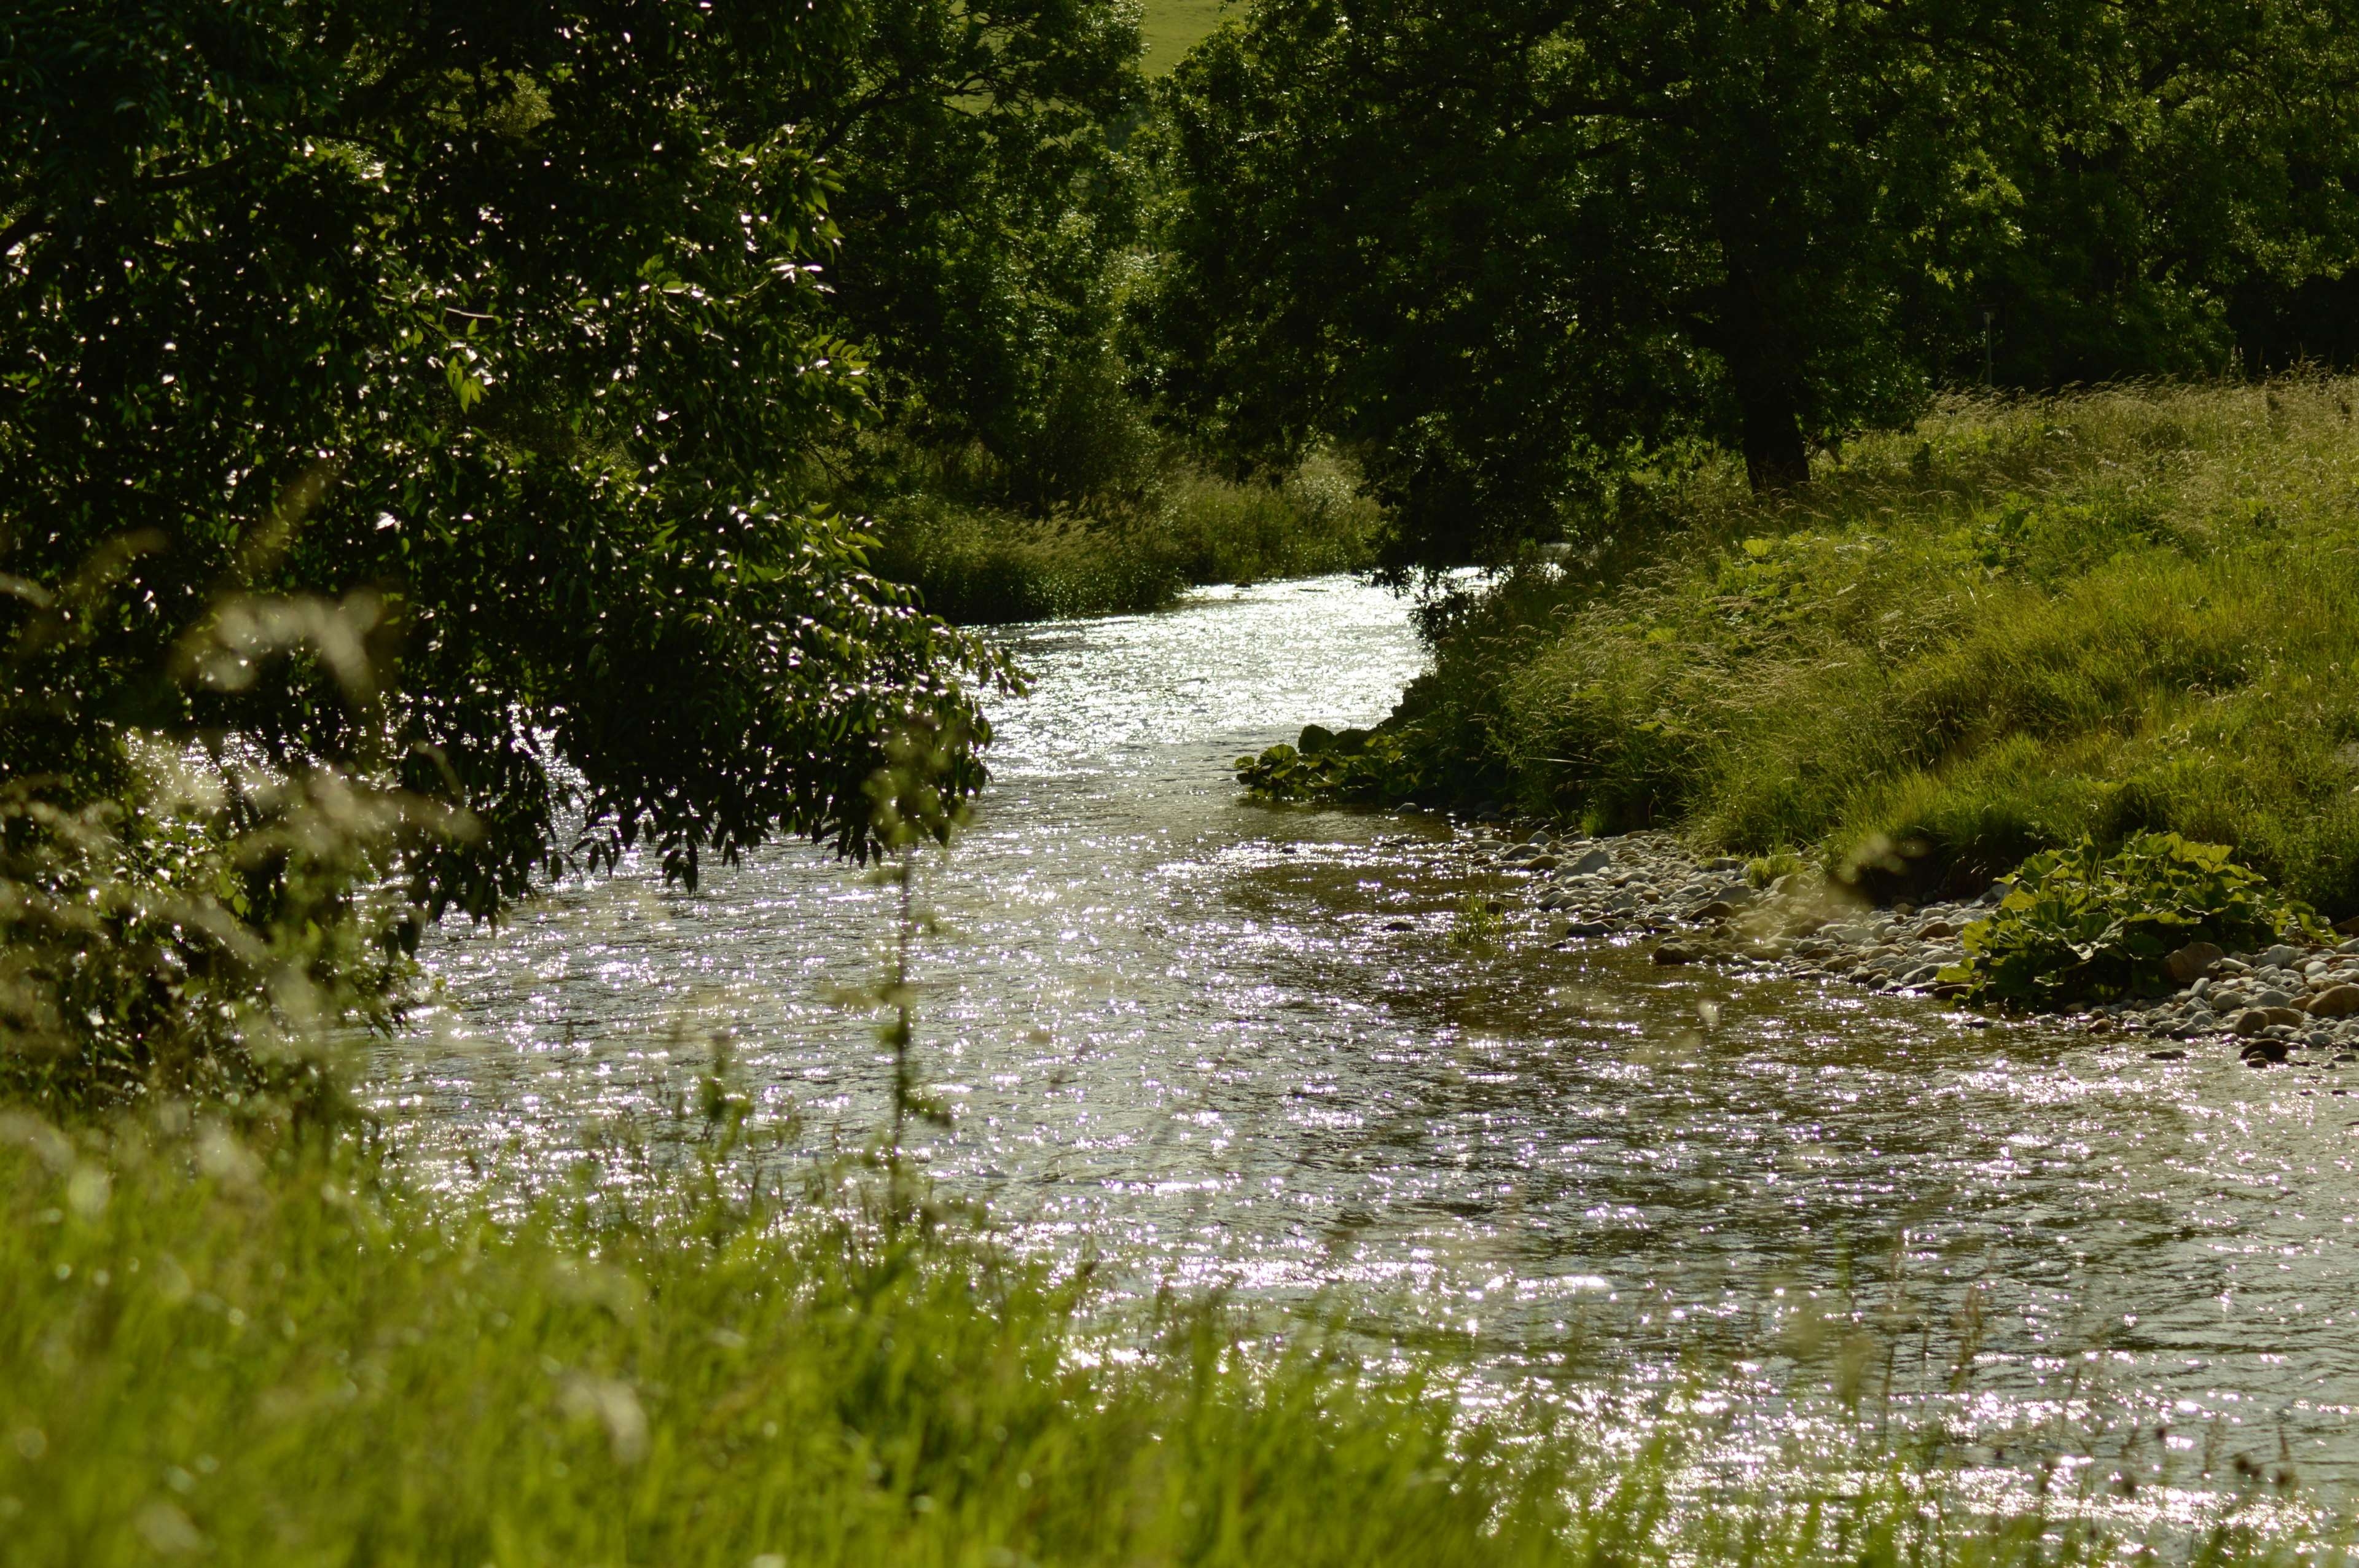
976,562
2024,621
259,1352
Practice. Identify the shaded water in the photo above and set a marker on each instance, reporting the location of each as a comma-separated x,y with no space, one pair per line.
1224,1044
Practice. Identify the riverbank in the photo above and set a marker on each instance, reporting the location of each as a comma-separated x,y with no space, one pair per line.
2293,1001
2024,622
976,559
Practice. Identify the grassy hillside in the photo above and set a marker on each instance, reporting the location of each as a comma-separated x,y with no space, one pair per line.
2023,621
1172,28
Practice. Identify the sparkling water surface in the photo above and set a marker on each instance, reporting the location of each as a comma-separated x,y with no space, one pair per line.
1225,1044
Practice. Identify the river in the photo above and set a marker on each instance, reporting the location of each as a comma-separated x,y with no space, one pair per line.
1230,1045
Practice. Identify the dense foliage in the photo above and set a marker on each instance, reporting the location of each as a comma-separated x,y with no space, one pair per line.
2082,923
419,411
493,327
1510,253
984,205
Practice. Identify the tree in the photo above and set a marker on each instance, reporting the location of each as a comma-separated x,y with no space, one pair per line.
1511,249
983,201
482,339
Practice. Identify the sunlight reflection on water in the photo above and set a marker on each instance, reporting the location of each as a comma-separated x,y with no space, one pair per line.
1235,1046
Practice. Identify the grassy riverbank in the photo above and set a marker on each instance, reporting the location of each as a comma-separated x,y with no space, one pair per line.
976,559
211,1348
2024,621
291,1357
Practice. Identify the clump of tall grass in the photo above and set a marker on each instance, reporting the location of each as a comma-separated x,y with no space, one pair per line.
285,1356
2024,622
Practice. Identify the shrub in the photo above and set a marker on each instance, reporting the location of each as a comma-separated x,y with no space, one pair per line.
1369,766
2081,924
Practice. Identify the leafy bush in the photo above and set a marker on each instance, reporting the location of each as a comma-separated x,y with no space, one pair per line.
1371,767
2082,924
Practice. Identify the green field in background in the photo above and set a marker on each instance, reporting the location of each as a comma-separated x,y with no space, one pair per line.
1173,27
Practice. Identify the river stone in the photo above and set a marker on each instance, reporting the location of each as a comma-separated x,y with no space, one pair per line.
2263,1052
2340,1001
2193,962
1583,929
2253,1020
2278,956
1677,953
1593,858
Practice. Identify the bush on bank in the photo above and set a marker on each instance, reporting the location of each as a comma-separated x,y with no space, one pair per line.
2079,922
2026,622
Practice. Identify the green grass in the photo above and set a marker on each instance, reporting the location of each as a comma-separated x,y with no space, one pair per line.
1174,26
292,1359
2023,621
221,1350
977,564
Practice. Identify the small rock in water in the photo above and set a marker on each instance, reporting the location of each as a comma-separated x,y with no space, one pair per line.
1676,953
2263,1052
1587,928
2166,1056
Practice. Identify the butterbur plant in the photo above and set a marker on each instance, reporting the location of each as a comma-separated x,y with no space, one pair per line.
2084,923
1369,767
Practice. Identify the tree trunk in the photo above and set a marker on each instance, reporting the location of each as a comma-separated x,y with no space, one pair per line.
1757,339
1775,459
